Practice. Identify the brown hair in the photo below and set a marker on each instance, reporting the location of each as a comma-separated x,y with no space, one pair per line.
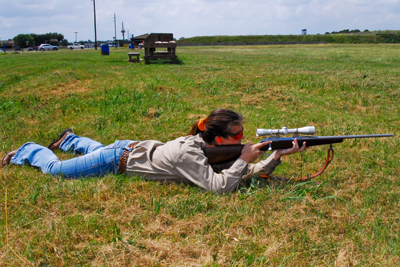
217,123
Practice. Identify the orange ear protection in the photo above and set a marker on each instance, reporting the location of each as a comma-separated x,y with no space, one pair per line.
219,140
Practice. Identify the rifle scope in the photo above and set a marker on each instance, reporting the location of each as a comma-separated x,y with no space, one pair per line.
308,130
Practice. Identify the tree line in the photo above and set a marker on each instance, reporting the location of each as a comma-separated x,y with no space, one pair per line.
345,36
347,31
32,39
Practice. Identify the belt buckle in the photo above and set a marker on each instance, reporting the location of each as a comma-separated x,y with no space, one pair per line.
124,158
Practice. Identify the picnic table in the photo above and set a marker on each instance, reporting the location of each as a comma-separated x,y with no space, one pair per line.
134,56
156,41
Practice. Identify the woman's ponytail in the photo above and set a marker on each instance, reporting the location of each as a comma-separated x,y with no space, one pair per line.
217,123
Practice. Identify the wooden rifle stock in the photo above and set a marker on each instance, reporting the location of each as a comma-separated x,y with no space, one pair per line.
224,153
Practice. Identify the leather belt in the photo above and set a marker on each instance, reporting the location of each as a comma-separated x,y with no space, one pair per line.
124,158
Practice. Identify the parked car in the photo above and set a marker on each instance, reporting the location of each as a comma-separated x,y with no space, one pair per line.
17,48
44,47
30,48
75,46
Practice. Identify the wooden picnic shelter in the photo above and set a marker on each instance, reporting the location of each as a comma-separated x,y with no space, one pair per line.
156,41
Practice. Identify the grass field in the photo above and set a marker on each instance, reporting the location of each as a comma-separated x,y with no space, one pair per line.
349,216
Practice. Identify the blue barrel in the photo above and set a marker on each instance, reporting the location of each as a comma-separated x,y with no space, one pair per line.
105,49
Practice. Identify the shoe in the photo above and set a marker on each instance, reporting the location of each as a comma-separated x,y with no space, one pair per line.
6,159
56,144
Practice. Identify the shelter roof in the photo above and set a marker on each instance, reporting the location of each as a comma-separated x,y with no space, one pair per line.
143,36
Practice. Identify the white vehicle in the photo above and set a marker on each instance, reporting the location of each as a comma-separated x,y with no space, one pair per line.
44,47
75,46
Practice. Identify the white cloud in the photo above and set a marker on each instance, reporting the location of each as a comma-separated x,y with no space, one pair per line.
187,18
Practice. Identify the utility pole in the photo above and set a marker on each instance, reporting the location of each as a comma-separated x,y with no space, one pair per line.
76,37
95,32
115,29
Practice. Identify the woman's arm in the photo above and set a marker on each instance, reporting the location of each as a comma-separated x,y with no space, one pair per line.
193,166
268,166
295,149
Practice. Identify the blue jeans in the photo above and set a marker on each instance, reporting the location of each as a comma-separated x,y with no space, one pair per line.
97,159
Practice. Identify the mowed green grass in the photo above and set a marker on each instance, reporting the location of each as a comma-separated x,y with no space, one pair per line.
348,216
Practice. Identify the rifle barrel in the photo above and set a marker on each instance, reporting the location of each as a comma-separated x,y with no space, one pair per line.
286,142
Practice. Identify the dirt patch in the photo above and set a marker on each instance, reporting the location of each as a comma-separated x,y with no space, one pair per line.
70,87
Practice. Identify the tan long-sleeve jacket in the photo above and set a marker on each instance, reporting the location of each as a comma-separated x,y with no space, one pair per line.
182,160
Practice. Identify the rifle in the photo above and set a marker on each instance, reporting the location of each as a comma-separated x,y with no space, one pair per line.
218,154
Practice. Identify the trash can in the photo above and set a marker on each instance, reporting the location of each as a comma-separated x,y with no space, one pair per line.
105,49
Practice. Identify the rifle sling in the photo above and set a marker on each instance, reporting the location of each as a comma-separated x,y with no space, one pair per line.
330,154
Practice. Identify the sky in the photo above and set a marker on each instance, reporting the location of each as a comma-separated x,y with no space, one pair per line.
188,18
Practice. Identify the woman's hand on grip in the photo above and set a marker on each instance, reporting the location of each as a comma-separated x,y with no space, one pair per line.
251,152
295,149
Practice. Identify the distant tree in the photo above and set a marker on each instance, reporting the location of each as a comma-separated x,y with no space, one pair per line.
389,37
366,30
54,35
64,42
45,38
39,38
22,39
327,33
